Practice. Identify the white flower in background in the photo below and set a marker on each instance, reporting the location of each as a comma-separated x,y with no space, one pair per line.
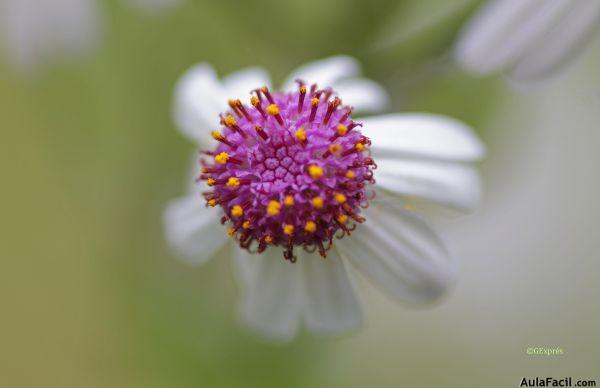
39,31
293,169
36,31
529,39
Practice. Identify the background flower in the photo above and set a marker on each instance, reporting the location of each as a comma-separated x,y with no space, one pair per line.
529,39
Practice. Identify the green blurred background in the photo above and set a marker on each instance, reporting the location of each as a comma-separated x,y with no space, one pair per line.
91,296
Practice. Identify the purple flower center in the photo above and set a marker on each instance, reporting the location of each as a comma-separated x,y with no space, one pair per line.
289,170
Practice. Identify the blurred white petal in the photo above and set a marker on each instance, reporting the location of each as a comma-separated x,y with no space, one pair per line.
37,31
421,135
330,303
192,229
199,99
272,293
241,83
324,72
401,254
363,94
561,43
449,184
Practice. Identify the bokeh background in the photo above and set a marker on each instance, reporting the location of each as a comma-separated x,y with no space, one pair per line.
91,296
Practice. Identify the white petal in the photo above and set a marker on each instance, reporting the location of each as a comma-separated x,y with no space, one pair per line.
421,135
363,94
199,98
272,295
324,72
449,184
561,43
504,30
241,83
400,253
36,31
192,229
330,303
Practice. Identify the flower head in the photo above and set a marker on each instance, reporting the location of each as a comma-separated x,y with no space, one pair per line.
283,161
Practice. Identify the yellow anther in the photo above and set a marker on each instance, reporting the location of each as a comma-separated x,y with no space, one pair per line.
342,129
288,200
247,224
317,202
273,208
288,229
233,182
273,110
268,239
360,147
310,226
335,148
315,101
230,121
264,89
216,135
315,171
339,198
301,134
237,211
222,158
254,100
303,89
230,231
350,174
210,182
212,202
342,218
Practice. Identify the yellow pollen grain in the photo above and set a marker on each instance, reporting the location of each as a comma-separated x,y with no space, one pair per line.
360,147
310,226
342,218
317,202
264,89
230,231
315,171
237,211
342,129
288,229
268,239
335,148
273,110
222,158
254,100
301,134
273,208
246,224
350,174
339,198
212,202
216,135
288,200
315,101
230,121
303,89
211,182
233,182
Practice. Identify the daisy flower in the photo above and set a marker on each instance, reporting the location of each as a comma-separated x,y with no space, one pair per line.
529,39
304,189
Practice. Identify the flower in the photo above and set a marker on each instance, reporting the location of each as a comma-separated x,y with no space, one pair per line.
292,177
35,31
529,39
38,31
